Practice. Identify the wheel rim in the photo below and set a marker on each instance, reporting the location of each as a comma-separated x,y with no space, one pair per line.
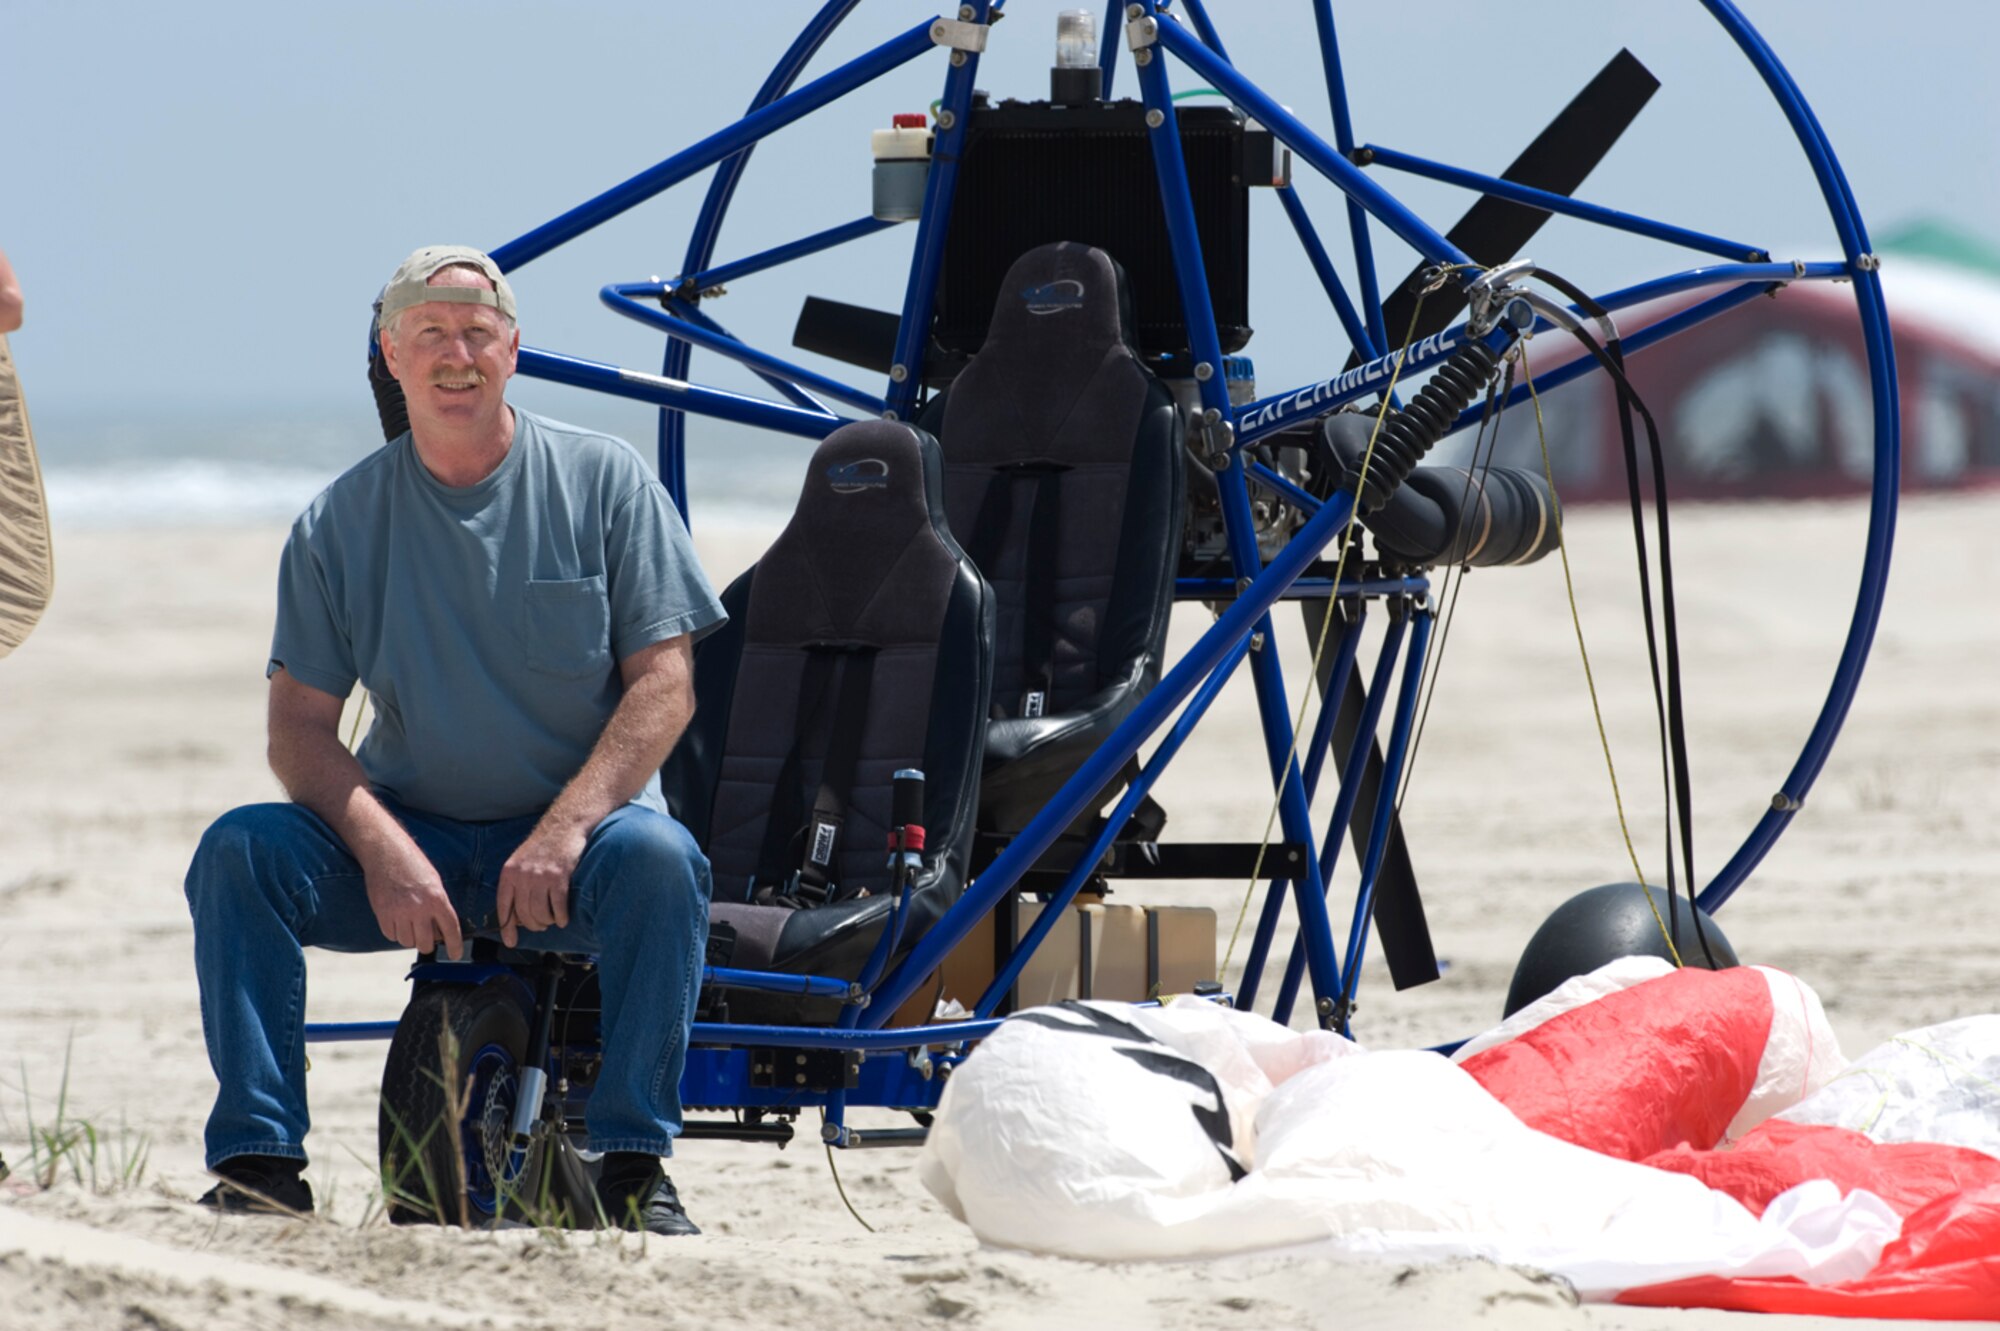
488,1125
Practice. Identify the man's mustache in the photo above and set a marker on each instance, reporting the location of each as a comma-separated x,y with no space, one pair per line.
457,377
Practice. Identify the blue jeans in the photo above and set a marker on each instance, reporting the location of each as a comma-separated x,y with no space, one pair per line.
271,879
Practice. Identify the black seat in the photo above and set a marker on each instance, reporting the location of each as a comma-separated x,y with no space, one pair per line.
861,643
1064,479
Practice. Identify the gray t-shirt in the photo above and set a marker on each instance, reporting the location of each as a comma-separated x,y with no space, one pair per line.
487,620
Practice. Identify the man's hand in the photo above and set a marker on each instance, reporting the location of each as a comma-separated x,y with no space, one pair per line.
317,770
659,698
534,883
410,903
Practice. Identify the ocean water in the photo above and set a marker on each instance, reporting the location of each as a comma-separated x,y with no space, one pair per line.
180,467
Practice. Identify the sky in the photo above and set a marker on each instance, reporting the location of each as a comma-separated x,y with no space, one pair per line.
202,199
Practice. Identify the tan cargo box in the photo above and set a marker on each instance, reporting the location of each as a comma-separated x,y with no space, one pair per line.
1180,947
1105,950
1051,975
1113,946
1055,972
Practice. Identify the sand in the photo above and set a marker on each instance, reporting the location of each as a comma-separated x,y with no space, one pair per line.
135,715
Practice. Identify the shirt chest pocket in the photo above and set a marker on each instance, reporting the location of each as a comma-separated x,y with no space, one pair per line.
566,627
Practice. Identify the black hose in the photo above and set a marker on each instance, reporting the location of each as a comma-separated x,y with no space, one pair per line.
1409,434
1442,515
1499,517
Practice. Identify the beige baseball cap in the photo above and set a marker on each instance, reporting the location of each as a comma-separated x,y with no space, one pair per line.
408,286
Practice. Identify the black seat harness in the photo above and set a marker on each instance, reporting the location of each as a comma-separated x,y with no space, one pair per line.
989,529
795,863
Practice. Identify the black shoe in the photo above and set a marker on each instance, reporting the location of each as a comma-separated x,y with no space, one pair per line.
260,1185
636,1194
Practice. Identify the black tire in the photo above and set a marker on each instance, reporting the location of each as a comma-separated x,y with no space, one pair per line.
447,1097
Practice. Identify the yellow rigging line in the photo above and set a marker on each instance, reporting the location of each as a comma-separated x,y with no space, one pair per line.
1576,621
1346,539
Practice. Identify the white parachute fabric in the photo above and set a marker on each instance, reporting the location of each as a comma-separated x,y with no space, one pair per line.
1083,1131
1801,1055
1938,1084
1102,1130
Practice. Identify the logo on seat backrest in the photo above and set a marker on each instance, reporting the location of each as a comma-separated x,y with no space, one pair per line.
1064,293
846,478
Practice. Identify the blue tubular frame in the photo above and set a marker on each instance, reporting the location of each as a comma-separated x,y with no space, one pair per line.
781,254
618,299
1305,589
1303,142
340,1032
927,258
791,392
1240,528
1564,204
705,1034
892,1069
701,244
723,143
1336,827
1344,653
1888,460
1282,487
662,391
1350,320
1197,13
719,1076
1190,273
1357,216
1346,648
1280,411
1385,799
1645,337
774,982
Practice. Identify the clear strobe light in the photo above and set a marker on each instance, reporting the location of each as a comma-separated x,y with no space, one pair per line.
1076,39
1075,79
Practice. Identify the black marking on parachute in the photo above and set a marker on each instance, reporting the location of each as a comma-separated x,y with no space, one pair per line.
1094,1022
1214,1119
1155,1058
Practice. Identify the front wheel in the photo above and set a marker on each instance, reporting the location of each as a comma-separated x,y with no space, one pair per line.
448,1092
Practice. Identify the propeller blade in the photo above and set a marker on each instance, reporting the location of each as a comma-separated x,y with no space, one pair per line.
1562,155
852,334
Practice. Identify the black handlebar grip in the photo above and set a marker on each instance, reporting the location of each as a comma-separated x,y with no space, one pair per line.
907,802
907,799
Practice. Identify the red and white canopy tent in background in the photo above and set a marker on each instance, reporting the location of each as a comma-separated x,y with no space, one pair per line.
1771,401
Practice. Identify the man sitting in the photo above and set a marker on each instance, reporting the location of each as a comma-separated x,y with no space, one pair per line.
520,599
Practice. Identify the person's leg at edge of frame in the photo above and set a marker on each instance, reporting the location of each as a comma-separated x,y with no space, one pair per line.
266,881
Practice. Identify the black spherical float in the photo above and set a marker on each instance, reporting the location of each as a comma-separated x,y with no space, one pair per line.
1609,922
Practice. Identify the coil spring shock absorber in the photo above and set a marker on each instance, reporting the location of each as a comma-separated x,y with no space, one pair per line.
1408,434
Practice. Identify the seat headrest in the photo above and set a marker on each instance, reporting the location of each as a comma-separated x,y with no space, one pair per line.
869,532
1058,379
1066,294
